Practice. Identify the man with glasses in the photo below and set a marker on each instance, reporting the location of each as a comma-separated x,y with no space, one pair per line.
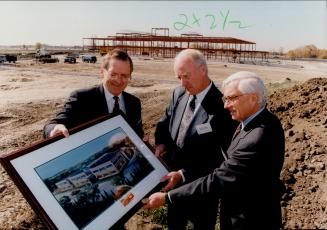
191,135
248,181
108,98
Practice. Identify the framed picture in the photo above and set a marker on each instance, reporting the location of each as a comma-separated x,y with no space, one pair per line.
92,179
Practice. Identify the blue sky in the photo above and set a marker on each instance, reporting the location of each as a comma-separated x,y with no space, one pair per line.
271,24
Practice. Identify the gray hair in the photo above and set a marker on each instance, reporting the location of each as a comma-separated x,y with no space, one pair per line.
196,56
248,82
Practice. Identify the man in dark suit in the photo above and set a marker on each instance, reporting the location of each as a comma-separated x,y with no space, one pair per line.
248,181
107,98
190,136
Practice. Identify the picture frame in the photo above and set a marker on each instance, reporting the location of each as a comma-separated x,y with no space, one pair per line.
94,179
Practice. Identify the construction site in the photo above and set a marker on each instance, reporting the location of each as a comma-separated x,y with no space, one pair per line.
160,44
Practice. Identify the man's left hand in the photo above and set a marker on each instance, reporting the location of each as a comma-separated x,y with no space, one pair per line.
156,200
173,179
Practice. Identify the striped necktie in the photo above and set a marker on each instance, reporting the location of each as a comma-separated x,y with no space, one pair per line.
237,131
185,123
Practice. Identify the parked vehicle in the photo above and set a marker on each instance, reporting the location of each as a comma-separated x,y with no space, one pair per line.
3,58
70,59
8,57
44,56
42,53
89,58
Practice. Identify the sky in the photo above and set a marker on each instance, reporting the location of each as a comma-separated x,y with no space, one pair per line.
272,25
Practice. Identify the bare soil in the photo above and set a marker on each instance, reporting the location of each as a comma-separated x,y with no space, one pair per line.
31,93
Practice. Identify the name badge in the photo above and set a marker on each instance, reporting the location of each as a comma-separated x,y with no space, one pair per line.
203,128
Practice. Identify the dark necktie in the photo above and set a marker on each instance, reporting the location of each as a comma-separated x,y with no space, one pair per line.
116,109
185,123
192,104
237,131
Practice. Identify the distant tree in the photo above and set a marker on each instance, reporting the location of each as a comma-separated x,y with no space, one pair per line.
308,51
38,45
292,54
311,51
323,54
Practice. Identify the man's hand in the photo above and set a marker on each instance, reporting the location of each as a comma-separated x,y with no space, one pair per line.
156,200
173,179
160,150
59,129
147,143
145,138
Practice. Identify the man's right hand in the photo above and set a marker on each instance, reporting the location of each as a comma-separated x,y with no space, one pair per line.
160,150
59,129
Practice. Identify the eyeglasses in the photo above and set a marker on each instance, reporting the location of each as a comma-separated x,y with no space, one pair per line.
231,98
122,77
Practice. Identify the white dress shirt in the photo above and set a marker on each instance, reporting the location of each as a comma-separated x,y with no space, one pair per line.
111,101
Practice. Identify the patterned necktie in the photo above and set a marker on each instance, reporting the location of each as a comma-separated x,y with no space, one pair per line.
237,131
116,109
186,120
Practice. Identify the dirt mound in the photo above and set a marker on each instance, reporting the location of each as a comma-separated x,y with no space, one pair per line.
303,112
301,108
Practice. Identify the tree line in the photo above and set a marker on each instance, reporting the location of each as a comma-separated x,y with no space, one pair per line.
308,51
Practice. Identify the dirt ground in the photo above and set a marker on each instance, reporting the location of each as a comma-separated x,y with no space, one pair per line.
31,93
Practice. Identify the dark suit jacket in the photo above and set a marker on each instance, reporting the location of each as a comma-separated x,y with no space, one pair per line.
200,153
88,104
248,182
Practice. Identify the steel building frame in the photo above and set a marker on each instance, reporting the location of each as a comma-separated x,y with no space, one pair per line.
165,46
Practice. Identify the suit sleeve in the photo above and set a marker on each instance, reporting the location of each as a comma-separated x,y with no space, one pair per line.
66,116
138,123
162,133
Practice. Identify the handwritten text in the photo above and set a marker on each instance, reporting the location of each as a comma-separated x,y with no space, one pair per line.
209,19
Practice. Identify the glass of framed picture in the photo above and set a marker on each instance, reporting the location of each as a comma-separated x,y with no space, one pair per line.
93,179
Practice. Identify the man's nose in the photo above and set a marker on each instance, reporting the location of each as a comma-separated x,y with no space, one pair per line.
226,104
117,78
183,82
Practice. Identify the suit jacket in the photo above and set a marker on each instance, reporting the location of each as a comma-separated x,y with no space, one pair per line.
201,153
88,104
248,181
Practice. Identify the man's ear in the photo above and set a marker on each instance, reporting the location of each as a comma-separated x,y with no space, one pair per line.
255,97
203,69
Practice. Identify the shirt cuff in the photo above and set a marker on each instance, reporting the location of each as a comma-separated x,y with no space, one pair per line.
167,197
182,174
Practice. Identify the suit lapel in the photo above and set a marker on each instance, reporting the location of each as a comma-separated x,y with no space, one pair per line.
202,114
128,105
200,117
247,129
102,98
182,101
129,108
236,140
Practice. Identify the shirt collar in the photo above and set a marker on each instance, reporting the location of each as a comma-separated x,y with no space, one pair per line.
250,118
109,95
110,101
200,96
